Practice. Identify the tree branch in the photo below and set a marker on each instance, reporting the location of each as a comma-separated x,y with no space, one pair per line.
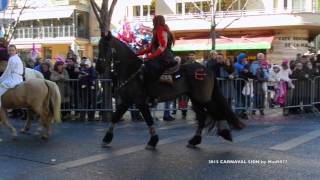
228,9
96,10
244,6
113,4
10,36
94,4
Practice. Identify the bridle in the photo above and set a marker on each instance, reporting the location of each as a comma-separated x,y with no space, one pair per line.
115,63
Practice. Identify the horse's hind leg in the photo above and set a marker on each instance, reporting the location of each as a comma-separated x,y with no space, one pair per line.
45,122
121,109
154,139
222,125
201,116
27,125
6,123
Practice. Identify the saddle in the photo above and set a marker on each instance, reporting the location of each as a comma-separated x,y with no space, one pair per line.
166,77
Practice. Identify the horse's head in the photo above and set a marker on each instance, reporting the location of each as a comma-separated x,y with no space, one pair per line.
116,54
105,53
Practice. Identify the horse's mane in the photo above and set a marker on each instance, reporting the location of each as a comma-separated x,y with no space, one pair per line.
124,46
124,54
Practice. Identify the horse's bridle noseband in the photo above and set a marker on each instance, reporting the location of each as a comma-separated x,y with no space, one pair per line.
114,63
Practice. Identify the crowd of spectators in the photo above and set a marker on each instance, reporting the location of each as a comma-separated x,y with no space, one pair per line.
258,83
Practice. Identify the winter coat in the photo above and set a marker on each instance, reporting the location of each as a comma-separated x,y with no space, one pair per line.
60,80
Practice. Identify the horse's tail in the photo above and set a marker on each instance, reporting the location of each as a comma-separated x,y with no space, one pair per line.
221,110
54,98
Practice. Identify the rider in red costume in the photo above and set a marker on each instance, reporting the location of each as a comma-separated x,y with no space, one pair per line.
159,53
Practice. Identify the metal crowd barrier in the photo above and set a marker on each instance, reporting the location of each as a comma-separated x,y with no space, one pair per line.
251,95
232,91
316,90
77,96
81,96
241,94
301,95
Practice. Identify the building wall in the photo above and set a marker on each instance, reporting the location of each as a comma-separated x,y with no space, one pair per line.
287,43
57,50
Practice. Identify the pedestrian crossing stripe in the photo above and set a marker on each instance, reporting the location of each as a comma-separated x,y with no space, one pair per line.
296,141
254,134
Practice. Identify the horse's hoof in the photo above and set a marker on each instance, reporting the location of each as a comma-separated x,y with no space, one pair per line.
105,145
225,134
151,148
191,146
153,141
108,138
14,138
195,140
24,130
44,137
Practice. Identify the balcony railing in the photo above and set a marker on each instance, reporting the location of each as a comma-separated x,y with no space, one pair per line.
224,14
50,32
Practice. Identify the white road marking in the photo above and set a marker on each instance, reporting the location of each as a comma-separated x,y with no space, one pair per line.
177,125
254,134
103,156
296,141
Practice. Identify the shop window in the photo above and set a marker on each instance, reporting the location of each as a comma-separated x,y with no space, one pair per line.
230,5
153,7
206,6
275,4
285,4
47,52
152,10
136,10
299,5
145,10
192,7
179,8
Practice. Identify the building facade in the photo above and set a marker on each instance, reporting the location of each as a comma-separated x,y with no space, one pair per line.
279,28
52,26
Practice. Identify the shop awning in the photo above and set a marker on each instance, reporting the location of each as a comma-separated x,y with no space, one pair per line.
224,43
31,15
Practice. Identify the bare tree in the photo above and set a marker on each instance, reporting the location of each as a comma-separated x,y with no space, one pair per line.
214,6
14,14
103,14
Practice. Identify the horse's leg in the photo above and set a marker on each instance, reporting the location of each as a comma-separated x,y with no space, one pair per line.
27,125
154,139
45,122
201,116
6,123
121,109
222,124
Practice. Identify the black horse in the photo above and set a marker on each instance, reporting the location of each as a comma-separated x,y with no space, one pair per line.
196,81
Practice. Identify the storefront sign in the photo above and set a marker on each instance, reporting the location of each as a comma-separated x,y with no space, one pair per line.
294,41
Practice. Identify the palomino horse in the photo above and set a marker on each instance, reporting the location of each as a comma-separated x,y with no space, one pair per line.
39,95
194,80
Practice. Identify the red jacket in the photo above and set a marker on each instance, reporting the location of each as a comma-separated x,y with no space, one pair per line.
161,38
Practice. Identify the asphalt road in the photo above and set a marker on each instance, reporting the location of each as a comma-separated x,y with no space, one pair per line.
271,147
